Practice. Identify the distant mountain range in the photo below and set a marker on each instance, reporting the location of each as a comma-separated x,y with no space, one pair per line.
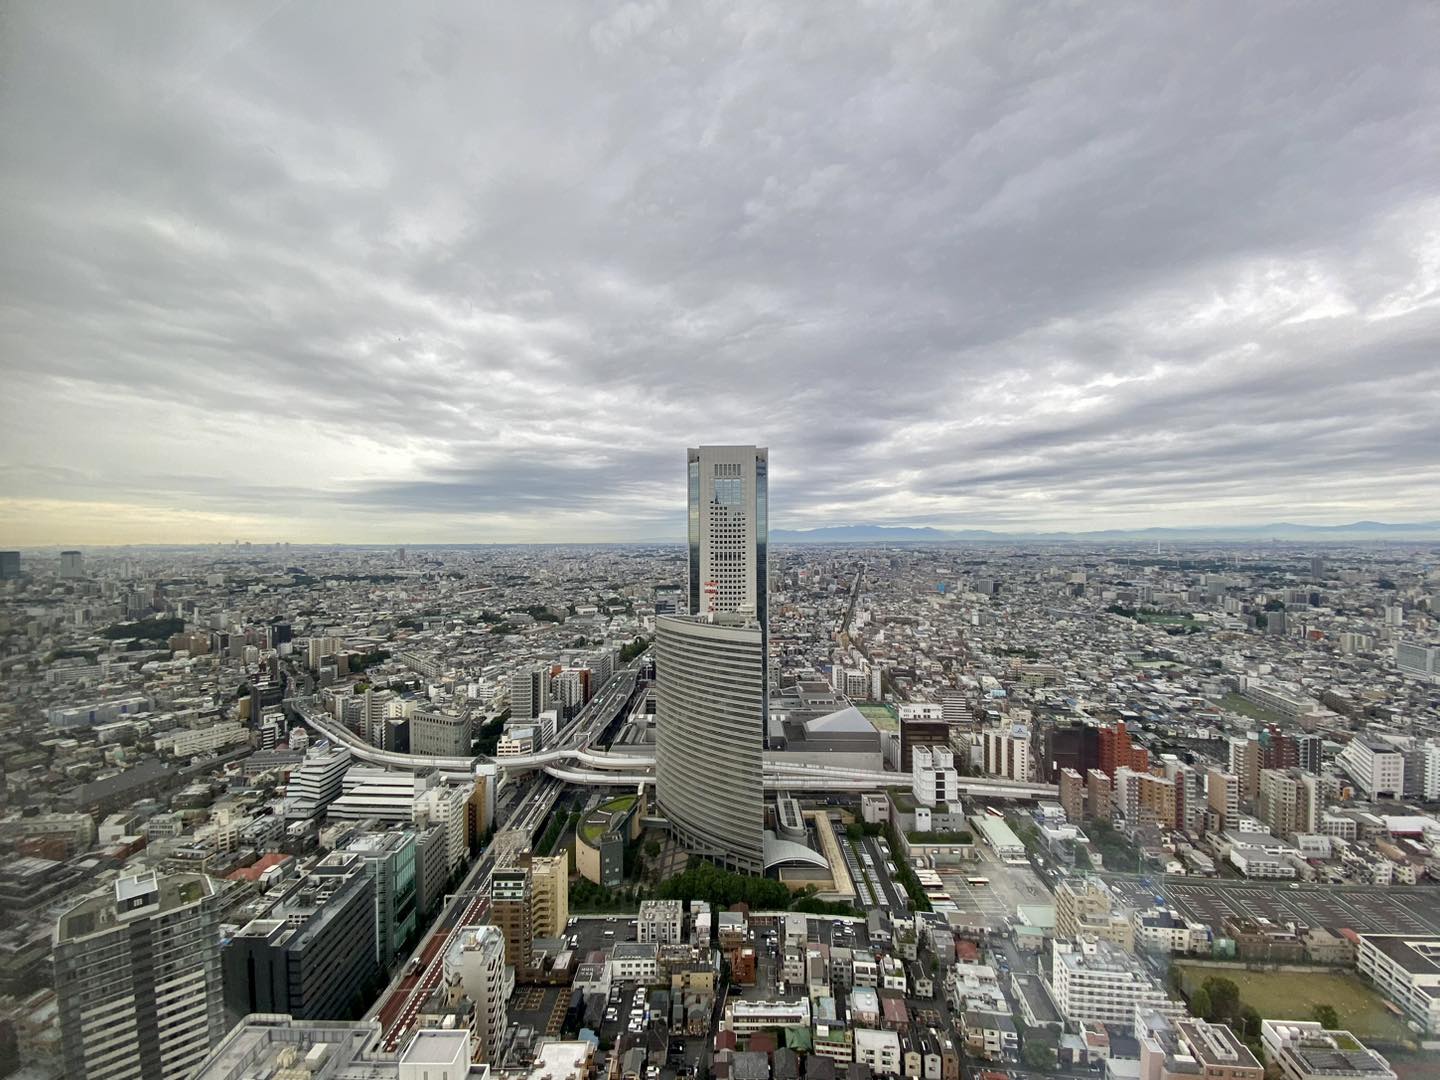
1281,530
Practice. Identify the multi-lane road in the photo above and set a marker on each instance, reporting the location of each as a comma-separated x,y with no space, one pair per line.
424,969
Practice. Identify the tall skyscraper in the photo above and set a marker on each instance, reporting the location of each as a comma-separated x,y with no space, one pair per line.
72,564
9,565
729,522
137,979
729,529
709,735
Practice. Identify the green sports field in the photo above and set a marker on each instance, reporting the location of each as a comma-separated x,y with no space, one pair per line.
1292,995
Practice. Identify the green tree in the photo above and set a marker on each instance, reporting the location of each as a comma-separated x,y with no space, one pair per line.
652,848
1224,997
1038,1056
1250,1021
1326,1017
1201,1005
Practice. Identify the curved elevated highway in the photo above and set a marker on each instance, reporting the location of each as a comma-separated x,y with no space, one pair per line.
581,765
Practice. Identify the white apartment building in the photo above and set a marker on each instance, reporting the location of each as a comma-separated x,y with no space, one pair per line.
1418,661
475,957
878,1049
661,922
1007,752
446,805
934,779
1377,768
747,1017
1406,969
633,961
187,742
1095,980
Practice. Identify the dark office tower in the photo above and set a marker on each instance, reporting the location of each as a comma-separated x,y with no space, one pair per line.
311,952
1069,746
730,533
9,565
920,731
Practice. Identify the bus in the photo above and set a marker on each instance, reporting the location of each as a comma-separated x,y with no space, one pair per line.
977,881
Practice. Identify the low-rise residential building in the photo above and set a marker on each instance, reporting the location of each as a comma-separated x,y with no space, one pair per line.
1304,1050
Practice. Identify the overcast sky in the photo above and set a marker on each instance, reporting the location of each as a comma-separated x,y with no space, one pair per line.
471,272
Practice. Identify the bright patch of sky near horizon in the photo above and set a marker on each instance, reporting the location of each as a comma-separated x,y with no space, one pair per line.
467,273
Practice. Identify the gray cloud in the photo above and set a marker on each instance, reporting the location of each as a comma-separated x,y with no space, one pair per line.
330,272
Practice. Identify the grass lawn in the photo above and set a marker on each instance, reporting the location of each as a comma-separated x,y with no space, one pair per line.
1237,704
1293,995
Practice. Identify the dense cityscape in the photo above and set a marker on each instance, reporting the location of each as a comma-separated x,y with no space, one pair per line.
739,809
738,540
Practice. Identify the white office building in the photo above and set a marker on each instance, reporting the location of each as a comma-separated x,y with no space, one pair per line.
317,782
661,922
529,692
934,780
1377,768
1418,661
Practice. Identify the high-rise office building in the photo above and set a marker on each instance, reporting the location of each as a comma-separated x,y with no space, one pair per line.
311,952
441,732
710,722
9,565
137,979
72,564
729,527
1418,661
390,860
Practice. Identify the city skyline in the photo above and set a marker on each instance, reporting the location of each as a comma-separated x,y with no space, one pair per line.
472,276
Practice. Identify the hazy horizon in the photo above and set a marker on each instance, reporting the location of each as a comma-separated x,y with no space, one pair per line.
481,275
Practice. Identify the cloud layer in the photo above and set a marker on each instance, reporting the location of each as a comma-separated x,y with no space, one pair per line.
481,272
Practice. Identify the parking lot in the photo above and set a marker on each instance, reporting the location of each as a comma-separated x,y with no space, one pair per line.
1008,888
1365,909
